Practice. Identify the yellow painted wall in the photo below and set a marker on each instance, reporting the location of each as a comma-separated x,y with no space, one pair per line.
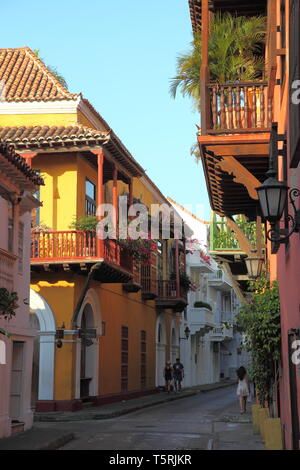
59,195
13,120
117,309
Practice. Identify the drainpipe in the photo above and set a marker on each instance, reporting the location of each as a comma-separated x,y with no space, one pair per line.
83,294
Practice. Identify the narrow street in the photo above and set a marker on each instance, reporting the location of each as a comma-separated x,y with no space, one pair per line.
199,422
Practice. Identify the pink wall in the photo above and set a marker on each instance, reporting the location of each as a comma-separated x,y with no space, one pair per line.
20,331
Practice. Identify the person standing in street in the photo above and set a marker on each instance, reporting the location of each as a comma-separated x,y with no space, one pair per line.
242,388
178,374
168,374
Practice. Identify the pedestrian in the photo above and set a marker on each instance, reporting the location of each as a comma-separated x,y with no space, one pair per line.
168,374
178,374
242,388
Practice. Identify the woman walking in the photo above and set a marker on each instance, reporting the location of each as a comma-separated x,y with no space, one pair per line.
242,388
168,374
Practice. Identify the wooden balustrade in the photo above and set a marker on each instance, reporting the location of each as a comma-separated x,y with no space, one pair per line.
148,279
63,245
67,245
239,107
167,290
7,261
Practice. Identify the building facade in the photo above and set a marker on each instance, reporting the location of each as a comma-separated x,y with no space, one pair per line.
17,183
213,350
106,318
241,136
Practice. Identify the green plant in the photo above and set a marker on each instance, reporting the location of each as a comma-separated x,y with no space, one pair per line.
86,223
8,303
259,319
235,54
53,70
200,304
185,281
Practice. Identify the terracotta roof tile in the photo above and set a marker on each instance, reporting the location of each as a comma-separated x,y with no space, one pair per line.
39,135
42,137
8,151
24,77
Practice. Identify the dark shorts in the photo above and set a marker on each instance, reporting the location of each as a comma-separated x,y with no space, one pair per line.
178,378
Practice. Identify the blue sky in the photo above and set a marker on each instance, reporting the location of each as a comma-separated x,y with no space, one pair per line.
121,55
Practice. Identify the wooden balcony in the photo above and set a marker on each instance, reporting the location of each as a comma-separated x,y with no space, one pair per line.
78,251
223,241
7,262
234,142
168,296
237,108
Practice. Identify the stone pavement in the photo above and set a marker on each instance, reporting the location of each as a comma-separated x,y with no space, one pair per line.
113,410
228,431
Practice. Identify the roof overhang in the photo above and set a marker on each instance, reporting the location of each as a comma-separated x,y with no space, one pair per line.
233,165
240,8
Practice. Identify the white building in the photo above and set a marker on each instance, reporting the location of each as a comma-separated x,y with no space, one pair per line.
212,351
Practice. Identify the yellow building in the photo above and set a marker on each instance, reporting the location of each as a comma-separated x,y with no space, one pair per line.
106,320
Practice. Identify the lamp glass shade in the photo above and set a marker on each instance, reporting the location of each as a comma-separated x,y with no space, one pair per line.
272,197
254,267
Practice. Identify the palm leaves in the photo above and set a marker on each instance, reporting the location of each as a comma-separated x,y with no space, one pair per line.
235,54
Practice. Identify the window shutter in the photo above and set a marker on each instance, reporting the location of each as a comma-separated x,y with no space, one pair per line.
294,74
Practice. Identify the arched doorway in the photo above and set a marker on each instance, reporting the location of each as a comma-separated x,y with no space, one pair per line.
160,351
42,320
87,362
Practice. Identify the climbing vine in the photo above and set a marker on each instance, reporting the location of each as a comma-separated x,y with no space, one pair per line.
259,319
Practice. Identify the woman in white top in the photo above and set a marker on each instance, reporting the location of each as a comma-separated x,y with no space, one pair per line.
242,388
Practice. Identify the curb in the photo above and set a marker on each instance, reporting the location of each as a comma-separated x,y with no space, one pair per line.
57,443
115,414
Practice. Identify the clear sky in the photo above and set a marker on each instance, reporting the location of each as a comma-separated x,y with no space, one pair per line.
121,55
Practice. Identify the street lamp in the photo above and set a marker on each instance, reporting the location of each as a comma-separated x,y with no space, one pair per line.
273,195
254,267
273,199
187,332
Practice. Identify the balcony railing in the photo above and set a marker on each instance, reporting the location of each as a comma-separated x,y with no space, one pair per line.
64,245
149,277
201,319
7,261
220,333
239,107
222,238
168,290
76,245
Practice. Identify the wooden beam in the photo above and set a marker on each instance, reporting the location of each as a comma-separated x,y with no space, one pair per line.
241,175
235,284
246,149
204,72
241,238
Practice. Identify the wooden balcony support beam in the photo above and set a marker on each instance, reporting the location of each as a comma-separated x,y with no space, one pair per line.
241,175
244,243
235,285
204,72
28,157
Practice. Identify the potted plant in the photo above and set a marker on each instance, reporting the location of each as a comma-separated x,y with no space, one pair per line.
200,304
